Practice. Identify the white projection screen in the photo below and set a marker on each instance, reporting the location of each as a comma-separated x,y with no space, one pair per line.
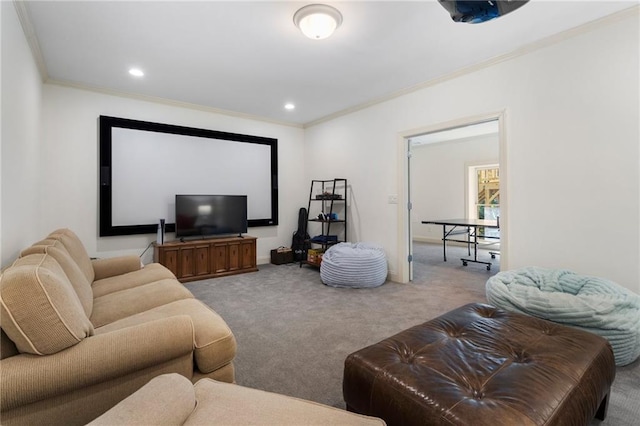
144,165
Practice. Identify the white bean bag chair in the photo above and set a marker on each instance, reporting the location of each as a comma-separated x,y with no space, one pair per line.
590,303
356,265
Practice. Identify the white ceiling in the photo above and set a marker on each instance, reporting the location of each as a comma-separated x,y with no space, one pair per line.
248,58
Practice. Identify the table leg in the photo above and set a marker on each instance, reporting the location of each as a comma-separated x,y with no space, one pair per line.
444,242
475,251
475,243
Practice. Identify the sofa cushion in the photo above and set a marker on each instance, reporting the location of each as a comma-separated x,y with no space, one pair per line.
39,247
230,404
71,269
75,276
168,399
122,304
171,399
76,249
40,310
150,273
114,266
215,345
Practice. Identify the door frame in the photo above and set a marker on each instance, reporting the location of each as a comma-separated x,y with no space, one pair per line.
404,214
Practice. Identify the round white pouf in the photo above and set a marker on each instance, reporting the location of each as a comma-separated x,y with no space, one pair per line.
356,265
590,303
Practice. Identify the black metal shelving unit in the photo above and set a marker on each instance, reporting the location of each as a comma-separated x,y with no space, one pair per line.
327,213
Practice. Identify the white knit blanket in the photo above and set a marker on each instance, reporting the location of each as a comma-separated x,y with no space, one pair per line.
593,304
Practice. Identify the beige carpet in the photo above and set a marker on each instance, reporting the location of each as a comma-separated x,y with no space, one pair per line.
294,332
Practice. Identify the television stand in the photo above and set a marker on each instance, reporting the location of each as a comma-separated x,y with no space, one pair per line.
191,260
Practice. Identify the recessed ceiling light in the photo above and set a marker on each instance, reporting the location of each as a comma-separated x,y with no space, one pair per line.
289,106
136,72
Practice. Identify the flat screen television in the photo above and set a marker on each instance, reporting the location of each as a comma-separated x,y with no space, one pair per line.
210,215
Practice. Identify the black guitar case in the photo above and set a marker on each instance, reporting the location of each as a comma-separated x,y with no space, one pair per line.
300,242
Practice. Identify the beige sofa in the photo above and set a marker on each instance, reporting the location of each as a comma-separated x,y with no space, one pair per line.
79,335
173,400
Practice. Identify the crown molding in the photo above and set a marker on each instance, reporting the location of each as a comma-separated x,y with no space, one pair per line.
168,102
24,16
22,9
633,11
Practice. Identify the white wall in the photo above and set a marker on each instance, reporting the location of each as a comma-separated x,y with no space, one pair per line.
571,121
438,173
70,172
20,161
571,129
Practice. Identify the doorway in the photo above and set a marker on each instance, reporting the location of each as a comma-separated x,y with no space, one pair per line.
451,178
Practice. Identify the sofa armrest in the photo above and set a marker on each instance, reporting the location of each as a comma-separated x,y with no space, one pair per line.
112,266
28,378
168,399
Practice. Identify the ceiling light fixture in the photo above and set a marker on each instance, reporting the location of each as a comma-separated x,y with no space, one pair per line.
289,106
136,72
317,21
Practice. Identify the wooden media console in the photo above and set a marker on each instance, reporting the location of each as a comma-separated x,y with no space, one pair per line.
200,259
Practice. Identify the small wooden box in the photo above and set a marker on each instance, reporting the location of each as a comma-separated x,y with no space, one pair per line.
281,256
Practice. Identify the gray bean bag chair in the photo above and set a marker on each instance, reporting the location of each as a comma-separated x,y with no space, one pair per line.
354,265
590,303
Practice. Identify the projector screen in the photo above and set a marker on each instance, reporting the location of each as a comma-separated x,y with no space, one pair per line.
144,165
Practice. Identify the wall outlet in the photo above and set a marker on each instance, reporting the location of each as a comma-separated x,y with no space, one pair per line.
393,199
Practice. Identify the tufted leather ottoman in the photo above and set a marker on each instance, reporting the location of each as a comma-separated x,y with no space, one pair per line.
479,365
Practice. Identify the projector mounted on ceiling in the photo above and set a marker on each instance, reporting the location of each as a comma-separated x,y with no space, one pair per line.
475,11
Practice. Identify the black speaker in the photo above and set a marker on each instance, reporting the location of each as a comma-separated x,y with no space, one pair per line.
160,237
104,176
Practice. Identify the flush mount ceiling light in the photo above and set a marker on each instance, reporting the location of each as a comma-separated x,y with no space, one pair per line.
136,72
317,21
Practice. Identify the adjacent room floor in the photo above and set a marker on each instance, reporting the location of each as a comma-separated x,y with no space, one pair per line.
428,263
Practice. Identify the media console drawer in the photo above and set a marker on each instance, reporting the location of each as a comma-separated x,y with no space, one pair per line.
200,259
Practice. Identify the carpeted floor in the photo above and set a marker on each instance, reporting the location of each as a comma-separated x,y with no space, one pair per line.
294,332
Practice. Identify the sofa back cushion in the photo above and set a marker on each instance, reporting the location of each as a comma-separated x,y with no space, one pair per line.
78,280
39,308
76,250
39,247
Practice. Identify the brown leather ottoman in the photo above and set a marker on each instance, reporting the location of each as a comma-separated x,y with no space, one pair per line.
479,365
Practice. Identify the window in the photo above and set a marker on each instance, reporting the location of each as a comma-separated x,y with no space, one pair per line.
484,191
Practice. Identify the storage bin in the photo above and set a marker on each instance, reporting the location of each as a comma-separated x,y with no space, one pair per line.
314,257
281,255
